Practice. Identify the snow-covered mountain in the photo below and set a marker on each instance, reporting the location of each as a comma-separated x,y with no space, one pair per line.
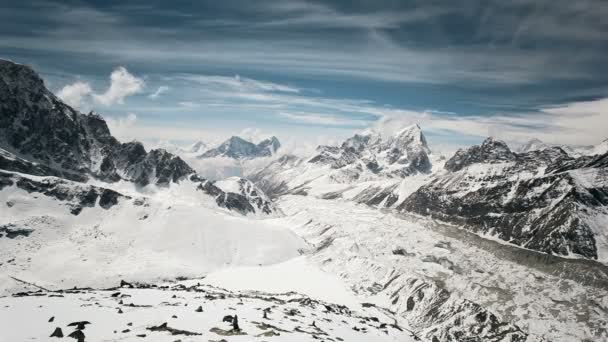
573,150
239,148
360,168
543,200
198,147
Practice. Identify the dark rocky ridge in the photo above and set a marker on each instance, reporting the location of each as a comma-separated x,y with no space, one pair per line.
537,200
245,202
77,196
39,128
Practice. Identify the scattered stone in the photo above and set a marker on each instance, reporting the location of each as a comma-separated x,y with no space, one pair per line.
119,310
57,333
173,331
125,284
130,324
199,309
51,319
227,318
80,325
235,323
141,335
78,335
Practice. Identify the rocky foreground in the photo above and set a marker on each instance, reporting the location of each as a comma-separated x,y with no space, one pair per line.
189,312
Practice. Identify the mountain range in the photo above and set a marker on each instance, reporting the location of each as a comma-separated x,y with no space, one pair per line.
490,244
239,148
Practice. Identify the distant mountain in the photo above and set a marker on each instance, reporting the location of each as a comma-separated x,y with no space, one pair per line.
239,148
533,144
401,154
573,150
366,163
37,127
198,147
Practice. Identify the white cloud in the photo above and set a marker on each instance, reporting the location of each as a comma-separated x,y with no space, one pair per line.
239,83
121,128
158,92
75,94
122,84
321,119
188,104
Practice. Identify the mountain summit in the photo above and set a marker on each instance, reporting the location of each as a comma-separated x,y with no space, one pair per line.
401,154
239,148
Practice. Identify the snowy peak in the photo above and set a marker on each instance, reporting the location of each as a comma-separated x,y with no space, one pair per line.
272,144
238,148
399,155
601,148
198,147
533,144
490,151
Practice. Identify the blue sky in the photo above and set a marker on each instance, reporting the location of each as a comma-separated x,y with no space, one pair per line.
317,71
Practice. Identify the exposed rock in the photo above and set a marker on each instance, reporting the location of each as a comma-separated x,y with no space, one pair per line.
48,137
57,332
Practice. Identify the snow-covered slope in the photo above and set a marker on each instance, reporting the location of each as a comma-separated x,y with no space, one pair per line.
450,284
61,233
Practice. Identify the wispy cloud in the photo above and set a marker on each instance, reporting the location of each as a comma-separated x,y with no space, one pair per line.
321,119
161,90
238,83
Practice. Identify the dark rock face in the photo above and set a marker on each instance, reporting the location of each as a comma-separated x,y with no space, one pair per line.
78,195
11,231
244,203
491,151
239,148
541,200
48,137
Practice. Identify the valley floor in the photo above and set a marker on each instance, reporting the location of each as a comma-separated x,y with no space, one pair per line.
371,263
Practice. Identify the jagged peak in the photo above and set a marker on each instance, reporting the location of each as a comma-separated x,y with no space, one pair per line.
491,141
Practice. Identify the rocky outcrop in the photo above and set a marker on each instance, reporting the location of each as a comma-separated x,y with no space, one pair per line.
237,194
76,195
